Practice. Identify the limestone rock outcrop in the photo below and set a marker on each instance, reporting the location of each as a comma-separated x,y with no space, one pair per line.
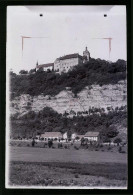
91,96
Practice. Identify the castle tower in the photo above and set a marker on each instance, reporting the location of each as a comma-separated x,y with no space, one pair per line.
86,55
37,64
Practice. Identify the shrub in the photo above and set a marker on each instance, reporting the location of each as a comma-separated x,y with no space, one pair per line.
23,72
32,71
101,145
118,141
109,148
77,138
50,143
28,103
53,147
60,145
76,176
123,151
65,147
77,148
97,145
120,149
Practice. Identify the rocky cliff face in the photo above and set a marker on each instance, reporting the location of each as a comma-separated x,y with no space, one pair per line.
94,96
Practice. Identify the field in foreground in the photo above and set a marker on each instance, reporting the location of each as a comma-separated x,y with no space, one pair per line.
29,154
67,174
61,167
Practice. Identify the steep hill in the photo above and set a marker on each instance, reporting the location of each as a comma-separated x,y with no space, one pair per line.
98,72
91,97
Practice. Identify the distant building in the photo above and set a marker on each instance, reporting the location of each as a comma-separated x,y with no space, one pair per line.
65,63
51,135
74,135
64,136
92,136
45,67
79,137
86,55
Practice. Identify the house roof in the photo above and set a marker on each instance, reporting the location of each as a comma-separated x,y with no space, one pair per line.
45,65
51,134
69,56
91,134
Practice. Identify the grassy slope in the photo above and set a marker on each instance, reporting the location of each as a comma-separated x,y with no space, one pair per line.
64,174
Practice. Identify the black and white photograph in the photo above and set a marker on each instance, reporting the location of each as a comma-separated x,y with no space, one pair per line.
66,97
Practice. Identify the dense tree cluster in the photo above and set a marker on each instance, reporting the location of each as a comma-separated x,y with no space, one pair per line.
33,123
96,71
23,72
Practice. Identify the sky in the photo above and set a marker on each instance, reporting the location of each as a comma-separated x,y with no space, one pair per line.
63,30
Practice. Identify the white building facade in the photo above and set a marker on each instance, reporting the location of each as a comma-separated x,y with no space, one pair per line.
51,135
92,136
45,67
66,63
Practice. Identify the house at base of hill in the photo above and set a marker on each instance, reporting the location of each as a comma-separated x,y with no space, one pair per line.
64,136
92,136
51,135
65,63
73,136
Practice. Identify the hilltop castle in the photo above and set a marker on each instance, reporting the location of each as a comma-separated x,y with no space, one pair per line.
65,63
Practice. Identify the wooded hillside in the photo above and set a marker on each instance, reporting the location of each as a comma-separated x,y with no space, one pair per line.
96,71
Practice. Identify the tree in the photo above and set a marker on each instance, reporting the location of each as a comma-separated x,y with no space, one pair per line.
40,69
32,70
106,140
69,133
112,132
82,141
23,72
118,140
12,73
77,138
50,143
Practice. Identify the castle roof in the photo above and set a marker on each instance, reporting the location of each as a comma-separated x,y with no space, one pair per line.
91,134
45,65
69,56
